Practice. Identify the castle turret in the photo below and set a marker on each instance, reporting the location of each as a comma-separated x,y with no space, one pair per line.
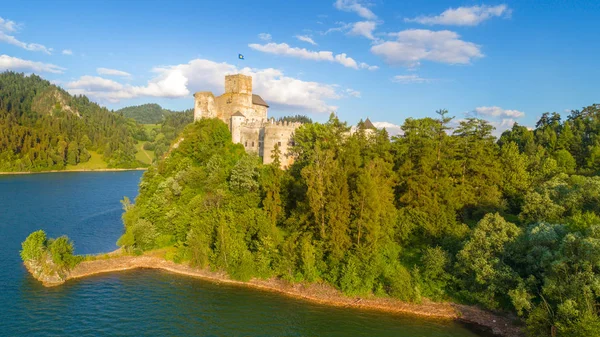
204,105
235,127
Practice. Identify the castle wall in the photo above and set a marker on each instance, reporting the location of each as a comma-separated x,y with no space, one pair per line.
238,84
279,133
257,134
251,137
204,105
229,103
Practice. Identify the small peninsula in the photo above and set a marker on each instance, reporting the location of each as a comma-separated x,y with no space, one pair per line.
440,214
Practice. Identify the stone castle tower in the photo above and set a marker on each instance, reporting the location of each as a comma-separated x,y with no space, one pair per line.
246,115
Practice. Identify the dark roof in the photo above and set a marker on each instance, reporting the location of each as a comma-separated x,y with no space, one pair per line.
259,101
238,114
369,125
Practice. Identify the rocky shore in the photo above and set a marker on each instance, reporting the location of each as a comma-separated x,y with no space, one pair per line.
320,293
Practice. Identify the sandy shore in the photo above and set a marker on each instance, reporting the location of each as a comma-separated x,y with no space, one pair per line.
318,293
78,170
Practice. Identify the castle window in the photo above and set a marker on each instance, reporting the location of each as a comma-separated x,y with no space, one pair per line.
252,144
246,144
279,143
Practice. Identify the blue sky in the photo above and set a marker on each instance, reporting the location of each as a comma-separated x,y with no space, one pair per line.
387,60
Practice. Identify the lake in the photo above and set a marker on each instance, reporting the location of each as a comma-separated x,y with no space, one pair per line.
86,207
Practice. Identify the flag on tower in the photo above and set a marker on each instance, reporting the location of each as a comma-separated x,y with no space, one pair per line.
240,56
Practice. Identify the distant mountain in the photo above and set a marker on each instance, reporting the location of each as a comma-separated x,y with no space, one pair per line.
43,127
146,113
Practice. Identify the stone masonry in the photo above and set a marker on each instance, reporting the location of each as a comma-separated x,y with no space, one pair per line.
246,115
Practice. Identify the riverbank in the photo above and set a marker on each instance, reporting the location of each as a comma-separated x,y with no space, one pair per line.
318,293
77,170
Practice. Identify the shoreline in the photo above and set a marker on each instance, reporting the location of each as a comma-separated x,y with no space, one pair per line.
314,292
77,170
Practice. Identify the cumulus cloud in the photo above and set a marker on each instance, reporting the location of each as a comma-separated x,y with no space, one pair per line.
17,64
306,39
391,128
11,26
8,25
363,28
176,81
413,78
303,53
463,16
264,36
501,119
67,52
414,45
502,125
356,7
112,72
496,111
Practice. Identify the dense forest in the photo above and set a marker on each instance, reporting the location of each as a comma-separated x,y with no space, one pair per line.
161,136
151,113
42,127
447,214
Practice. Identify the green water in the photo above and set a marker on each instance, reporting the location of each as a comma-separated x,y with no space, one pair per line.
86,207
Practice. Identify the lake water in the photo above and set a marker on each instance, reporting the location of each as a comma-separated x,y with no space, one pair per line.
85,206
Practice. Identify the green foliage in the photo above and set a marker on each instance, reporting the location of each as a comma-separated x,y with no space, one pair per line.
33,247
145,113
448,215
61,250
37,248
42,128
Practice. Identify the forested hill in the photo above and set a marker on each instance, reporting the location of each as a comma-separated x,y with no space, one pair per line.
151,113
42,127
451,215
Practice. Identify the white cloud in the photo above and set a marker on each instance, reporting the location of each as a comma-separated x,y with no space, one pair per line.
406,79
27,46
264,36
17,64
495,111
391,128
501,119
363,65
355,6
464,16
181,80
67,52
303,53
364,28
306,39
341,27
8,25
112,72
414,45
353,93
11,26
502,125
94,83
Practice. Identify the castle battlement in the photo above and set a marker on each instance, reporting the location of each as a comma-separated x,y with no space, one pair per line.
283,124
246,115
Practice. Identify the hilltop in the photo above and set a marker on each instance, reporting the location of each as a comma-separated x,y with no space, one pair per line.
43,128
150,113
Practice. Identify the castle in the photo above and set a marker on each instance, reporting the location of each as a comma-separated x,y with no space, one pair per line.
246,115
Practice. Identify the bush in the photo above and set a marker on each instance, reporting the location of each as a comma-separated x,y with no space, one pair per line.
61,251
33,247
